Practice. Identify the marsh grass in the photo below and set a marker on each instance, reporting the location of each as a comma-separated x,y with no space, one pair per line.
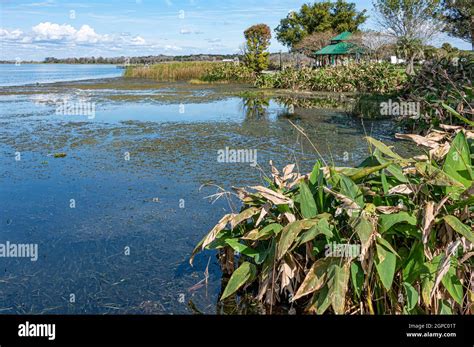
170,72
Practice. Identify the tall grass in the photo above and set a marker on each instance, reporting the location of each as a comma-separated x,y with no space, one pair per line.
170,72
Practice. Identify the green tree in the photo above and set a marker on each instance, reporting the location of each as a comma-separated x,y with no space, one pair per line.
257,39
410,49
317,18
459,18
412,23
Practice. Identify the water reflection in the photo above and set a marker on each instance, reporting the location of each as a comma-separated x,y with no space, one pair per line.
135,203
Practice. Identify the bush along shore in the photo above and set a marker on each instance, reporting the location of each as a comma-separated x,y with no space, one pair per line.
391,236
363,78
439,93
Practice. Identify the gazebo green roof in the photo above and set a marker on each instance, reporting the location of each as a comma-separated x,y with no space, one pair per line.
342,36
339,48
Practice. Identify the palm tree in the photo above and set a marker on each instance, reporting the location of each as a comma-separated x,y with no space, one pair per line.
410,49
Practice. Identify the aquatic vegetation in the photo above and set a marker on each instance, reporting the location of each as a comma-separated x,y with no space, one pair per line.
230,72
169,72
393,235
59,155
199,72
364,78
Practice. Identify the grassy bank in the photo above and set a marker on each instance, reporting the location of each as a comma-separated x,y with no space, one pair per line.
365,77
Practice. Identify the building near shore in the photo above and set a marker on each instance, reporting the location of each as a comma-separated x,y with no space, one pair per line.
340,51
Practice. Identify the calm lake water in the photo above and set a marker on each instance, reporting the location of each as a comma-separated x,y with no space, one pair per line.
116,220
22,74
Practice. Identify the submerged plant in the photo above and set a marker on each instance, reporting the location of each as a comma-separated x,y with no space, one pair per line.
391,236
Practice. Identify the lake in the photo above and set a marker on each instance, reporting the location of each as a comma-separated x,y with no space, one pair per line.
23,74
116,219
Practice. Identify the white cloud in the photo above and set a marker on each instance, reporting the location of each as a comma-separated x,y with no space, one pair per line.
87,34
138,41
10,35
53,32
46,33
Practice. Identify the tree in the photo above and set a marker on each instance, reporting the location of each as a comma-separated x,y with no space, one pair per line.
410,49
313,42
376,44
413,19
257,39
318,18
411,22
459,18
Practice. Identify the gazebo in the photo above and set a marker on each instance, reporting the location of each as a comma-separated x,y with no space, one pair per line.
338,51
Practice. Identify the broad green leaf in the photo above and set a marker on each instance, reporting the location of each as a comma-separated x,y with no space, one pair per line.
308,205
381,241
313,177
385,264
394,169
386,221
459,227
366,171
316,180
411,295
453,285
364,229
264,233
444,308
352,190
241,248
338,287
211,236
321,228
290,232
384,149
315,278
457,162
414,265
437,177
357,278
246,273
428,277
320,301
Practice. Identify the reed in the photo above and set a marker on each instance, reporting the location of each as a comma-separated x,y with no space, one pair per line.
170,72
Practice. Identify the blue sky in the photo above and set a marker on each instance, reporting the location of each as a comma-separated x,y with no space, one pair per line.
35,29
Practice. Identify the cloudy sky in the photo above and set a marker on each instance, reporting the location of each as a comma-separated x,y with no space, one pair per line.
33,30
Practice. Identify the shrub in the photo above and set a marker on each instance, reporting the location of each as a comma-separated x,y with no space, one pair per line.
444,90
229,72
364,77
410,218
